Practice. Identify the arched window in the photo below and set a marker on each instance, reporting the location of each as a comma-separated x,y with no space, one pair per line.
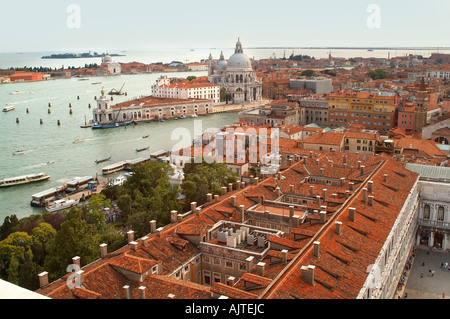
440,213
426,211
237,78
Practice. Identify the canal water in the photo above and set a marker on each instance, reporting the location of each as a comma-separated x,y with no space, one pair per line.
50,147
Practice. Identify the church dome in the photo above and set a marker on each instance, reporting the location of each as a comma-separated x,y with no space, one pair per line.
107,58
239,60
221,64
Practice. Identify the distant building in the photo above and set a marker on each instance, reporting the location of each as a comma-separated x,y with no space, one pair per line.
313,111
112,67
319,85
277,114
236,76
164,88
26,76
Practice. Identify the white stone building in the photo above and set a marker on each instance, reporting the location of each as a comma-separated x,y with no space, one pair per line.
113,68
236,75
163,88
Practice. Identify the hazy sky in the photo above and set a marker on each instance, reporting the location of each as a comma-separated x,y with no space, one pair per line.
48,25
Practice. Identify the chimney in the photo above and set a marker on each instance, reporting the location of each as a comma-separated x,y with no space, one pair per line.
261,267
323,217
130,235
319,201
133,244
278,191
308,274
242,185
216,198
364,199
385,177
127,292
43,279
291,189
359,164
347,193
324,194
256,179
152,226
338,229
284,253
173,216
209,197
76,261
316,249
362,169
317,162
233,201
249,262
171,296
231,281
291,211
370,186
230,187
145,240
142,292
103,250
352,214
370,200
193,206
160,231
350,186
310,154
224,190
198,211
311,191
80,274
321,171
344,160
241,213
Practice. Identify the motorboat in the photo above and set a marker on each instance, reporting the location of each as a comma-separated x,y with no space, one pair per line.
8,108
145,136
61,204
15,92
19,152
79,140
119,180
141,149
24,179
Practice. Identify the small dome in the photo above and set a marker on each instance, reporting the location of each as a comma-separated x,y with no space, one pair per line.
221,64
107,58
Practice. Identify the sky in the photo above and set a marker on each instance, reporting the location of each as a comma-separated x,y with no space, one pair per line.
83,25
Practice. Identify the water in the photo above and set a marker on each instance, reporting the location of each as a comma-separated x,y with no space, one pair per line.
52,143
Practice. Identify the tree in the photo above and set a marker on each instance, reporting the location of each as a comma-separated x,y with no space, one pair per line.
191,77
76,238
378,74
10,225
41,236
94,213
223,94
203,178
308,73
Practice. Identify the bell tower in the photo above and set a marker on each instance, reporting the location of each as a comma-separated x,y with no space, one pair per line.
421,107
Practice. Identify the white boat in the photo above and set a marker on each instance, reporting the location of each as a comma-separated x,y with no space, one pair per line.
61,204
19,152
119,180
15,92
25,179
78,140
8,108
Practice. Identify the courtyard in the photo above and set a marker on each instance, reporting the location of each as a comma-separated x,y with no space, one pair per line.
420,283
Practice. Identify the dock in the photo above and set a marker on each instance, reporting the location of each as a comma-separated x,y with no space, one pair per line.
87,193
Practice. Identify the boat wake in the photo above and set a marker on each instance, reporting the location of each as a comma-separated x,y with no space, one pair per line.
39,165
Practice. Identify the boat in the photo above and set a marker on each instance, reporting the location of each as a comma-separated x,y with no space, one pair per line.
182,116
78,140
194,115
25,179
111,125
15,92
141,149
96,83
145,136
103,160
61,204
119,180
41,199
78,184
19,152
8,108
114,168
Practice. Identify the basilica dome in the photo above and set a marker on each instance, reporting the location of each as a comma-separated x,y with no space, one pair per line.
239,60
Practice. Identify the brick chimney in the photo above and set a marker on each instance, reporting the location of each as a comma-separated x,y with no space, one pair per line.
193,206
323,216
198,211
249,262
160,231
370,200
324,195
76,261
233,200
261,268
224,190
311,191
284,253
291,211
209,197
231,281
127,292
385,177
43,279
230,187
291,189
216,198
133,245
370,186
350,186
145,240
103,250
364,195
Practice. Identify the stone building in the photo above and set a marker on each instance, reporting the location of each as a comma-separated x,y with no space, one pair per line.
236,76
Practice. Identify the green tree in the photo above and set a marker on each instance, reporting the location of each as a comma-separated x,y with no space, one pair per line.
41,236
308,73
223,94
378,74
76,238
10,225
191,77
94,212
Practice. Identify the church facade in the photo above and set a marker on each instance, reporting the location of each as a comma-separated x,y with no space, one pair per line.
236,76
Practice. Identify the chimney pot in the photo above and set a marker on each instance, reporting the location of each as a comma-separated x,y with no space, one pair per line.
233,200
126,290
134,245
193,206
311,191
209,197
261,267
291,211
174,216
364,199
284,253
76,261
323,217
224,190
370,186
308,274
142,292
370,200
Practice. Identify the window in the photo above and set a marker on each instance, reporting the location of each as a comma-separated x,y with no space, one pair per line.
207,278
440,213
426,212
